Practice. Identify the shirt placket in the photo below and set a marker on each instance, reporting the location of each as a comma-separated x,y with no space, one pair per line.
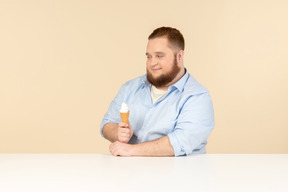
149,112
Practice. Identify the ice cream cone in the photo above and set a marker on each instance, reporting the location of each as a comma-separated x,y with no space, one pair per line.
125,117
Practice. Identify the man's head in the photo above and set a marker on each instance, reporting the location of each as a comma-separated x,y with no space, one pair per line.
174,36
165,51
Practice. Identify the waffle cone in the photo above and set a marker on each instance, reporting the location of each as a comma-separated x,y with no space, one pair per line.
125,117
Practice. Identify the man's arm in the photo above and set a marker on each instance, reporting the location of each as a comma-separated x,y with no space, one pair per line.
110,131
118,132
158,147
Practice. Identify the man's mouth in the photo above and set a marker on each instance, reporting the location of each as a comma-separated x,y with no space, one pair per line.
155,70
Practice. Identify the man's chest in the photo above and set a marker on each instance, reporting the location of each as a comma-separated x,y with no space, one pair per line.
152,121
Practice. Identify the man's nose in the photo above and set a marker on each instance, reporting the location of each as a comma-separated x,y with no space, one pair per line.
153,62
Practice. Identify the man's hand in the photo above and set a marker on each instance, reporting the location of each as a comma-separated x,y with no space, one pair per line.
125,132
120,149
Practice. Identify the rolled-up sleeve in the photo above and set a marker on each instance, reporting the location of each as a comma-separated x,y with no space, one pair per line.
194,124
113,114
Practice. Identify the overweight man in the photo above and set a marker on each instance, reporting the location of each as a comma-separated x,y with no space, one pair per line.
171,114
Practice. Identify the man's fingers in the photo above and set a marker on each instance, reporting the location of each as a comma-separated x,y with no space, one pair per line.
124,138
124,130
112,149
124,134
119,149
121,124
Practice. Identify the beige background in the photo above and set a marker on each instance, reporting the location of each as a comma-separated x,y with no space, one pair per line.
62,62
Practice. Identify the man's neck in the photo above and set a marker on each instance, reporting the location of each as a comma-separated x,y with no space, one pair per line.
177,78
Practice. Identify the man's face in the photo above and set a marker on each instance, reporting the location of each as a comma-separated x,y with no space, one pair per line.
161,65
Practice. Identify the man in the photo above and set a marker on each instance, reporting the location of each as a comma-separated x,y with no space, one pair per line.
171,114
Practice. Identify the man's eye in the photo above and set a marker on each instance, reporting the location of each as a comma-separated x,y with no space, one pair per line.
159,56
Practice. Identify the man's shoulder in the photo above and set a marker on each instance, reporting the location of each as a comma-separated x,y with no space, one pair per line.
196,94
136,82
193,87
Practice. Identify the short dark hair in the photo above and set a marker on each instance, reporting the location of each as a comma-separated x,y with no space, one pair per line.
174,36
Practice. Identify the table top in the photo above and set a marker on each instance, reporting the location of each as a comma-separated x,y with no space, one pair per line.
103,172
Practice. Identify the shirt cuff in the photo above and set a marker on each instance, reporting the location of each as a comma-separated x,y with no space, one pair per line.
178,150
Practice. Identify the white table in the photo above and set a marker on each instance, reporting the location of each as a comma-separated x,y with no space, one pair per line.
101,172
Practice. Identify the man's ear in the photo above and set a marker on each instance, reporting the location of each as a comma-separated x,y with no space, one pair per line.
180,56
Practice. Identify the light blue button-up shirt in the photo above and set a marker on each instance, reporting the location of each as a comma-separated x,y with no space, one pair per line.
185,114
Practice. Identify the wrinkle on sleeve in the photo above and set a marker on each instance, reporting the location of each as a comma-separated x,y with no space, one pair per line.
194,125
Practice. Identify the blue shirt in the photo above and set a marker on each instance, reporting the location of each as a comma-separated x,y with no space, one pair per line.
185,114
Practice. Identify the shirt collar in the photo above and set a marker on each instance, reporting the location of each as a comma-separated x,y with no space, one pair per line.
145,82
178,85
181,82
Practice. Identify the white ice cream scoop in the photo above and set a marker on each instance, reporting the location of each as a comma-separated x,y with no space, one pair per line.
124,108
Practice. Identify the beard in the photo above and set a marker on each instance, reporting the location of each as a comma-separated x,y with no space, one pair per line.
163,79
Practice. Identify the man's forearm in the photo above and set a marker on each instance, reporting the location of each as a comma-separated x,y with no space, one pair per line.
158,147
110,131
